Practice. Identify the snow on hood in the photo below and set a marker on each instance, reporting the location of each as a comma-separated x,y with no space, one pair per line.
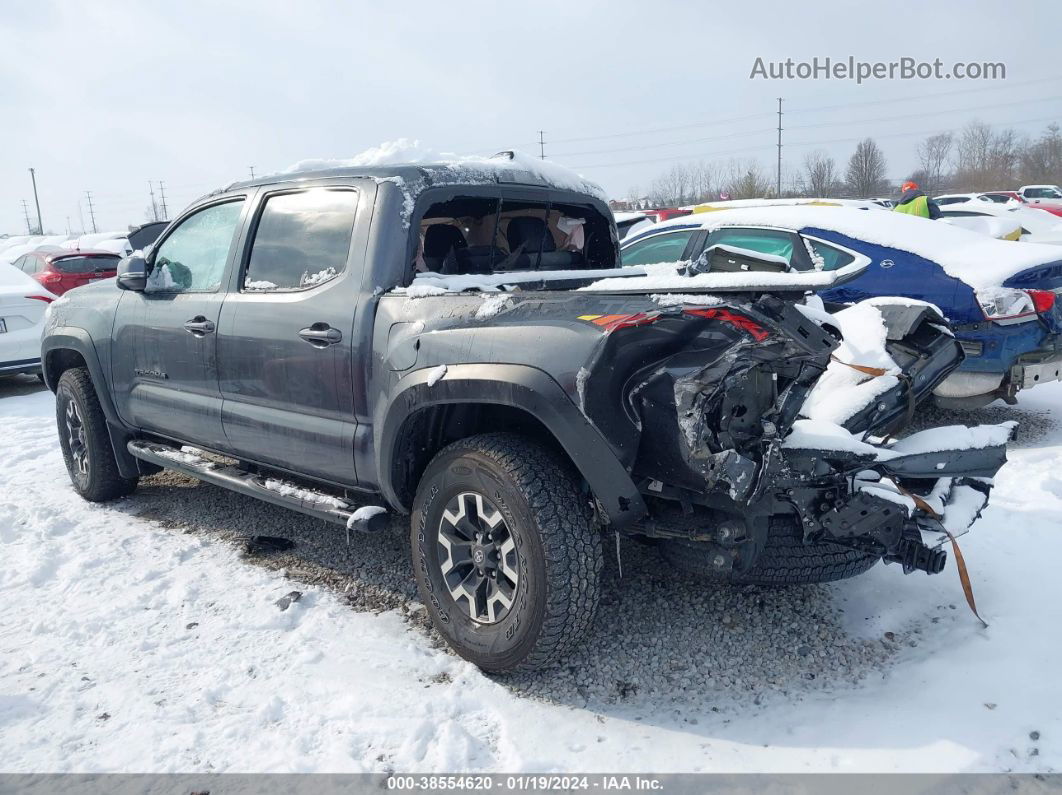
406,151
971,257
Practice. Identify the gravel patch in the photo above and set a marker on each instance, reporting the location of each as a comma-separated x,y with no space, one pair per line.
661,640
1034,425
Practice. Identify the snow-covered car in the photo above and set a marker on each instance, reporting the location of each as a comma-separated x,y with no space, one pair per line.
23,304
1041,194
1035,225
632,223
958,198
739,204
998,295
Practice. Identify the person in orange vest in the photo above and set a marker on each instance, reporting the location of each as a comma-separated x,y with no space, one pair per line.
914,202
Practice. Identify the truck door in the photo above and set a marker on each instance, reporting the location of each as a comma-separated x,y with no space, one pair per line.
164,355
285,346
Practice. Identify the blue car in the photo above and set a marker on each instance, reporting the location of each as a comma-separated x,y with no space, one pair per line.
999,296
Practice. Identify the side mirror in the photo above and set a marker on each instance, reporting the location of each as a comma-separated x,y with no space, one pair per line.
721,258
132,273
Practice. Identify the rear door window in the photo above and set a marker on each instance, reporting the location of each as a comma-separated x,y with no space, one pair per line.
302,240
775,242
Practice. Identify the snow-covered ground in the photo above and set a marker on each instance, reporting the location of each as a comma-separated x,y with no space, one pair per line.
136,637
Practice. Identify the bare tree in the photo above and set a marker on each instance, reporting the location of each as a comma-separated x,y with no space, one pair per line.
865,175
985,159
933,155
820,174
746,180
1042,161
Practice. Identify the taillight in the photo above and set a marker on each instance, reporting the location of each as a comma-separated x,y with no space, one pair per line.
733,318
1042,299
1006,305
44,298
49,277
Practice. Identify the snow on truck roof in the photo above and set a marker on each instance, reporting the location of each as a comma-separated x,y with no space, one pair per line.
974,258
408,163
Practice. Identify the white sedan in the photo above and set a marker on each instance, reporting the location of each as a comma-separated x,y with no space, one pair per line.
23,303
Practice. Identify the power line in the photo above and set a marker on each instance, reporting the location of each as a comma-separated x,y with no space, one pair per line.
660,129
162,195
845,106
934,95
691,155
92,211
25,211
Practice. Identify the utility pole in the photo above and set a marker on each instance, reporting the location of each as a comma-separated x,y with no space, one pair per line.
92,211
162,194
154,206
40,223
778,189
252,171
541,144
68,224
25,212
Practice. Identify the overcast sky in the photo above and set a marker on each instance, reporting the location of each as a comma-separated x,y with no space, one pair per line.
107,96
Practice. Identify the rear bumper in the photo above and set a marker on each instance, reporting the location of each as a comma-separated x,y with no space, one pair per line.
1036,368
1002,363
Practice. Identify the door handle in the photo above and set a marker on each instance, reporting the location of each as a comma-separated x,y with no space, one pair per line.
199,326
321,335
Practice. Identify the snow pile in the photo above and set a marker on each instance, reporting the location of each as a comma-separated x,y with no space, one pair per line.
999,228
492,305
286,489
436,374
406,151
956,437
963,254
313,279
843,391
258,286
364,514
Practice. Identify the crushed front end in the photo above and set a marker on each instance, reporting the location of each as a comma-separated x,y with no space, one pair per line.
744,409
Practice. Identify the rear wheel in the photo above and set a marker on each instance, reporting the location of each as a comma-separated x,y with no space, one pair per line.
504,552
784,560
84,440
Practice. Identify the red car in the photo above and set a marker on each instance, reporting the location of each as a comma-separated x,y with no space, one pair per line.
1003,196
65,269
666,213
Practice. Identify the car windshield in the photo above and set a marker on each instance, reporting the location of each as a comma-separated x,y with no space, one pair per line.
85,264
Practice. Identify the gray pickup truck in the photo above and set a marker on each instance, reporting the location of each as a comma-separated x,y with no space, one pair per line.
443,339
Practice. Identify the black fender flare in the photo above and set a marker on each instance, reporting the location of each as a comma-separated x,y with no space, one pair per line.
522,387
72,338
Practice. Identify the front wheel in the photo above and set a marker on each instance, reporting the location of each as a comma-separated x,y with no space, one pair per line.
84,440
505,555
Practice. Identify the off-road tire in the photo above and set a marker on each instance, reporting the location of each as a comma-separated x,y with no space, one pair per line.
559,551
100,481
784,560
